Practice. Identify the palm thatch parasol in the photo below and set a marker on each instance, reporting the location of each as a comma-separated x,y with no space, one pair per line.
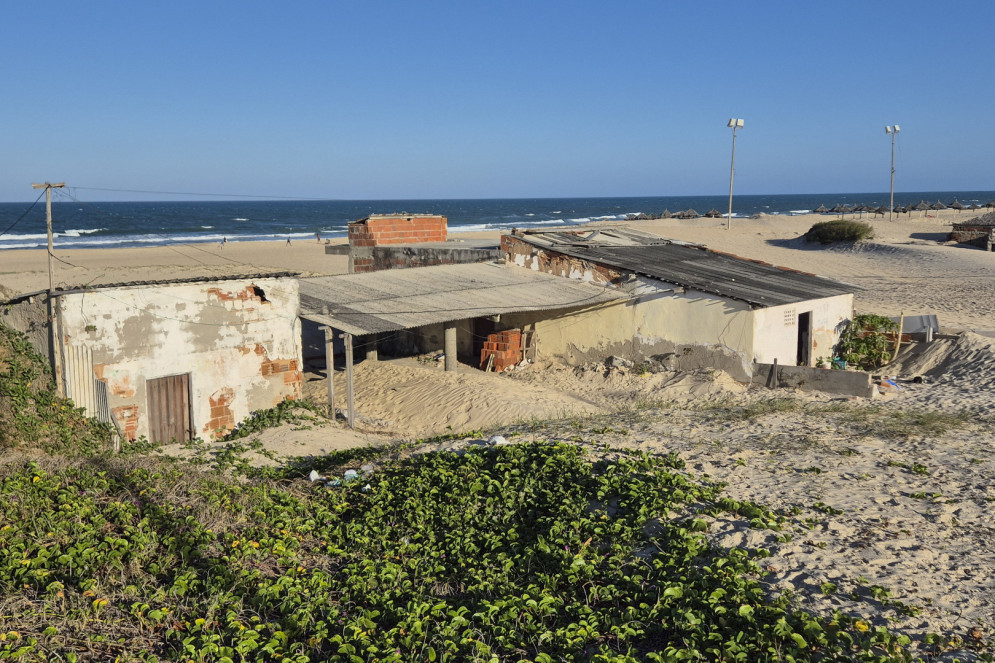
938,205
880,210
821,209
665,214
713,214
956,205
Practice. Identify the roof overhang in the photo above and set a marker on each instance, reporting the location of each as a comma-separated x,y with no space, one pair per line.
398,299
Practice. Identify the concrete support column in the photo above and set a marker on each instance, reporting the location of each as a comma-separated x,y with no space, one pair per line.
372,347
450,347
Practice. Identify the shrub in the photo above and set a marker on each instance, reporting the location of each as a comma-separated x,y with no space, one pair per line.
839,230
865,342
32,414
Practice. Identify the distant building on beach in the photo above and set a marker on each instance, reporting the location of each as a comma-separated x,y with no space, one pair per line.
399,241
174,359
686,301
979,232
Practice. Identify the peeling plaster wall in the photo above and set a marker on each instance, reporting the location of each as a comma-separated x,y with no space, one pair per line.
239,340
29,317
663,318
776,329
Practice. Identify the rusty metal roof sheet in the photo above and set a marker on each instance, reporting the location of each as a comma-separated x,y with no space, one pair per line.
407,298
693,266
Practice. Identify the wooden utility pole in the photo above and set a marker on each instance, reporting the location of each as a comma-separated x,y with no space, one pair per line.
48,186
53,337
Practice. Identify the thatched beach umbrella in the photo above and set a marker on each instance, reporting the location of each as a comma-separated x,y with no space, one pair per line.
938,205
880,210
836,209
713,214
689,213
956,205
821,209
990,204
975,206
665,214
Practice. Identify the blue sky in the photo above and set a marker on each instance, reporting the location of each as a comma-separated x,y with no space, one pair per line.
422,99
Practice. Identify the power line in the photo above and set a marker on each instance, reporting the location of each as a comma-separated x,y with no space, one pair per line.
194,193
11,226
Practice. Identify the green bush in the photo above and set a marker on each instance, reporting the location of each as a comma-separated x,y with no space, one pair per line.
32,414
839,230
865,343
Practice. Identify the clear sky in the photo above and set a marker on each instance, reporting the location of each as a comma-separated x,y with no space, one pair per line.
467,99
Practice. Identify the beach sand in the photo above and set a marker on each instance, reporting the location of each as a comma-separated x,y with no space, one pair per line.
886,500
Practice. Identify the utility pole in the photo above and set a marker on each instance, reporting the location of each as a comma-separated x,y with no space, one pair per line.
734,123
892,130
52,335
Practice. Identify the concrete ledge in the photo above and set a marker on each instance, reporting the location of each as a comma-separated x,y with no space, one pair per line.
847,383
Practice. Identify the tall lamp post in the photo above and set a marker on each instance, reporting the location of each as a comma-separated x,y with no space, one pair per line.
893,131
734,123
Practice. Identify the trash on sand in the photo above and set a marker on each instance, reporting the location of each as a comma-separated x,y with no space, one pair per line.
497,440
350,475
314,476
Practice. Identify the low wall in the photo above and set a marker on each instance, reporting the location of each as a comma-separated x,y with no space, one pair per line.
379,258
846,383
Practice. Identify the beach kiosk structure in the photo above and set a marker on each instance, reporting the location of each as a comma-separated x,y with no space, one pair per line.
174,359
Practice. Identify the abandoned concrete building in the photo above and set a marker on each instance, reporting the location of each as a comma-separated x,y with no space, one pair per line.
174,359
685,298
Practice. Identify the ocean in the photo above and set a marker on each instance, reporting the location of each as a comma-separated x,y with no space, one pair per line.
80,224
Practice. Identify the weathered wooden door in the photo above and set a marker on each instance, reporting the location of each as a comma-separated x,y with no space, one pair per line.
169,408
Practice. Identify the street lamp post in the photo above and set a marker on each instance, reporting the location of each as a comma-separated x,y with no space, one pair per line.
734,123
893,131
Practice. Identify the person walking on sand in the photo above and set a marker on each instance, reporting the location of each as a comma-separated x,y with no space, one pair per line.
221,244
318,237
288,241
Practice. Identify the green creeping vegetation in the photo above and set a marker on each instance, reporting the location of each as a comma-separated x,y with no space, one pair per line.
31,414
527,552
864,343
286,412
839,230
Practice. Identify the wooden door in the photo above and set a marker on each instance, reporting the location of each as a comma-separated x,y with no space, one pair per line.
169,408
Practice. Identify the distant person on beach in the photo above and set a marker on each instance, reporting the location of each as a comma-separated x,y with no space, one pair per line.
288,241
221,244
318,237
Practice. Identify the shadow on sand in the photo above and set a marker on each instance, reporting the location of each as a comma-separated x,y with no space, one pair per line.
933,237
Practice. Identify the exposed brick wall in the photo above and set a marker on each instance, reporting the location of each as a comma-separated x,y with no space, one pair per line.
505,347
400,229
222,418
127,418
522,253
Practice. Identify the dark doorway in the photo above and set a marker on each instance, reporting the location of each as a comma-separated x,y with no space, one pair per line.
804,339
169,408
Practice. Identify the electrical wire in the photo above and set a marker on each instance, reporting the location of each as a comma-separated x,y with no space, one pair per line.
192,193
20,218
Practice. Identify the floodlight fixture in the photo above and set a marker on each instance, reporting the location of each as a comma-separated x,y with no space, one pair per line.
734,123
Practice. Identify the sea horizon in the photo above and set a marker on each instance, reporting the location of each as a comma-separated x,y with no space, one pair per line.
104,224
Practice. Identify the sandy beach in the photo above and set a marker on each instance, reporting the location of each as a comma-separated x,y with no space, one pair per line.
887,501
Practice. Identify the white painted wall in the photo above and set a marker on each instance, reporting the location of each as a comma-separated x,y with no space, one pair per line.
237,346
775,329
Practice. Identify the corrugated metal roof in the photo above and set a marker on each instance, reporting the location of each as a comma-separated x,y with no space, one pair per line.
407,298
72,290
693,266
